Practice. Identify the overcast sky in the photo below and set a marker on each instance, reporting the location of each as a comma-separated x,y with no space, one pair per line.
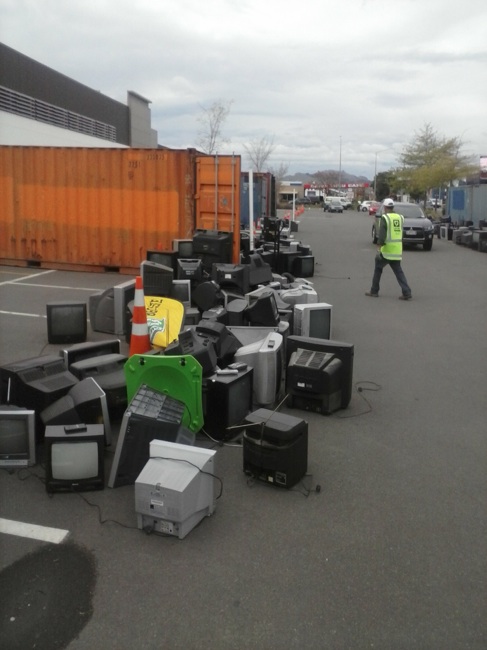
320,77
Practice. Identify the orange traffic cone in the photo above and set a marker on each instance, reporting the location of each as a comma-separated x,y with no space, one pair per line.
139,340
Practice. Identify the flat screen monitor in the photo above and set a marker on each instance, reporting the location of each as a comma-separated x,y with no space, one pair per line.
17,437
313,319
74,457
166,258
175,489
156,278
66,322
265,357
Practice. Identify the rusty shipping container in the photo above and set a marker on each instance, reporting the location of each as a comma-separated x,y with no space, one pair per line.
101,209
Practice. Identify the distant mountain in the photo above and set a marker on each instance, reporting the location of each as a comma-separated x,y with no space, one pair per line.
333,173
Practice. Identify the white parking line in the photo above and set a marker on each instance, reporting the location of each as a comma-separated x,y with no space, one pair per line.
41,533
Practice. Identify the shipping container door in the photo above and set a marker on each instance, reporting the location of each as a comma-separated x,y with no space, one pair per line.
217,198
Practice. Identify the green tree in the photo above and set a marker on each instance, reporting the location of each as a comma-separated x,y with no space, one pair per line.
429,161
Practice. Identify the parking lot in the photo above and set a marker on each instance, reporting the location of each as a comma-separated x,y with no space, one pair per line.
389,553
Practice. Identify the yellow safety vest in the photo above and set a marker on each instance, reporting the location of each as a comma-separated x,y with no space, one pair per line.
392,248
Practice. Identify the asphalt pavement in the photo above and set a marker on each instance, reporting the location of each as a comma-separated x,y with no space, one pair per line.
389,553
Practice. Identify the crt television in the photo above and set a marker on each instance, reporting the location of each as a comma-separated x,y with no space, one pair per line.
166,258
227,399
175,489
108,308
17,437
312,319
66,322
265,357
156,278
88,350
74,457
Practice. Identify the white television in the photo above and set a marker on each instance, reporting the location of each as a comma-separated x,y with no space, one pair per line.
265,357
312,319
176,488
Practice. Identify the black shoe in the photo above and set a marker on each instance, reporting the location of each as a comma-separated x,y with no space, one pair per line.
405,297
372,295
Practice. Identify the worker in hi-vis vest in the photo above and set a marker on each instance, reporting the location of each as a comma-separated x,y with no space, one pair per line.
389,240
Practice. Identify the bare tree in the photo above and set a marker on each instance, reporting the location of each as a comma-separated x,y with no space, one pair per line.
259,152
279,172
212,119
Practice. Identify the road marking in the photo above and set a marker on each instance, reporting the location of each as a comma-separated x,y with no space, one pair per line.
18,313
42,533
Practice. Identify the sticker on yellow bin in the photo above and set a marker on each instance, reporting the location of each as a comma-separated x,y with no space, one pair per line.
165,318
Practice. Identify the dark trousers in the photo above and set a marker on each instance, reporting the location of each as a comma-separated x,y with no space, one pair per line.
380,263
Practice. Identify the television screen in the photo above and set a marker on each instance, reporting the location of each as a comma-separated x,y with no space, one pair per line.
181,290
312,320
227,399
304,266
66,322
74,457
184,247
17,437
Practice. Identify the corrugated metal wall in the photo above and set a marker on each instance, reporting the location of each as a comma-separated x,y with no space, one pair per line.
467,203
103,208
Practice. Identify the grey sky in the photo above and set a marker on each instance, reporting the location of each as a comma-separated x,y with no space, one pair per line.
317,76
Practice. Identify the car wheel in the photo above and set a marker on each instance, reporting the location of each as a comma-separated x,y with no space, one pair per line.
364,209
374,235
428,245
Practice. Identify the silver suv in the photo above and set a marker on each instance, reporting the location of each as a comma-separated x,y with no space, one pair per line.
418,229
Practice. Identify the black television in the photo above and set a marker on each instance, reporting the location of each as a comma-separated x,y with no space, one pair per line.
227,399
166,258
181,290
190,269
260,271
314,381
304,266
66,322
109,309
341,349
151,415
231,276
36,382
156,278
201,348
88,350
184,247
263,311
73,457
85,403
17,437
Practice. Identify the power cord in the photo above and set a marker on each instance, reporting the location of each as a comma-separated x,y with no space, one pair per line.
361,387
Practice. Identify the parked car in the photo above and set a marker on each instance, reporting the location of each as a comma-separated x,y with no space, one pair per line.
345,202
417,229
364,206
373,207
335,205
300,201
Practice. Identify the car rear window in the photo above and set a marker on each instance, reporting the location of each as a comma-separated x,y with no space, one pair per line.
412,211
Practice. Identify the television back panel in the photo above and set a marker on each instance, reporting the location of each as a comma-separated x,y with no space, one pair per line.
35,383
275,447
314,381
123,294
342,350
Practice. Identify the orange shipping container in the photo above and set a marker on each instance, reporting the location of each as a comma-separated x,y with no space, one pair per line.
97,209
